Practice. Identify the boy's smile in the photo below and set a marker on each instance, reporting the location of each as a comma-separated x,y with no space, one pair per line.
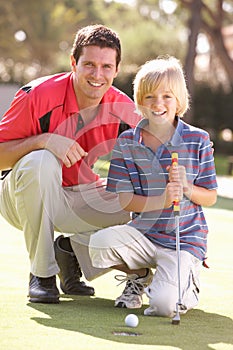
160,106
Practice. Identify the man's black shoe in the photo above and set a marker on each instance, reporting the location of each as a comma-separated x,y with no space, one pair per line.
43,290
70,272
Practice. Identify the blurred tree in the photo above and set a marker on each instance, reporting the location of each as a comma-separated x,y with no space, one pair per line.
34,33
36,36
209,16
143,36
173,27
213,20
194,25
147,30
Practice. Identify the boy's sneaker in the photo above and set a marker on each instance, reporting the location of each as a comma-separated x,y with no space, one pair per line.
131,297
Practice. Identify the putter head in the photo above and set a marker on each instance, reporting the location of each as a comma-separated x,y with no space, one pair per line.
179,306
176,319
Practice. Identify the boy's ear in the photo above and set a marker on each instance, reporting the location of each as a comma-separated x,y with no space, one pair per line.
178,108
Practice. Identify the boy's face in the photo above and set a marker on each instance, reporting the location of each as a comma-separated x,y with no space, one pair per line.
93,74
160,106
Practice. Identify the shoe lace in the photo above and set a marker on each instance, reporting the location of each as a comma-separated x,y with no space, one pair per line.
133,286
75,272
76,267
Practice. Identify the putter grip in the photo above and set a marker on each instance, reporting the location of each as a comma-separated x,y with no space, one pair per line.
176,203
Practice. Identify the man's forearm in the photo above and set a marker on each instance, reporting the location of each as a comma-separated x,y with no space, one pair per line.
12,151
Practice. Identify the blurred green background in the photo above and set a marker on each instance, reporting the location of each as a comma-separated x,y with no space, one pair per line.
36,39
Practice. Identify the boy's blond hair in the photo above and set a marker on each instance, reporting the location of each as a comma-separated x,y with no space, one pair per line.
165,70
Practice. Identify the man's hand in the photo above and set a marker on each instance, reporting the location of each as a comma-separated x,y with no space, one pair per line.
66,149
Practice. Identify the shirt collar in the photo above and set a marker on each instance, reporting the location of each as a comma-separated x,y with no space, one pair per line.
176,139
70,103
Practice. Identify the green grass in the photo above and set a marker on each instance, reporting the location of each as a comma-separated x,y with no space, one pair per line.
221,164
224,203
89,323
101,167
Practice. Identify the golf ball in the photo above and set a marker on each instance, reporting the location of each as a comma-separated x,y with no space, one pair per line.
131,320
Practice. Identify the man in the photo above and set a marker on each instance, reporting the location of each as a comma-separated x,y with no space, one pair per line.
50,138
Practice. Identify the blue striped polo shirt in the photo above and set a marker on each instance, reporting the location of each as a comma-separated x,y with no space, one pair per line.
135,168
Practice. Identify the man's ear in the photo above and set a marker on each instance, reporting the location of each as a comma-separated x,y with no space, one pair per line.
117,71
73,63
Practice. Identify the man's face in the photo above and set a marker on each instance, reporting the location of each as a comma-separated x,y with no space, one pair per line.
93,74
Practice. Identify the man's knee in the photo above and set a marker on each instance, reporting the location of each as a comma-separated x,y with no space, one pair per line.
38,165
38,159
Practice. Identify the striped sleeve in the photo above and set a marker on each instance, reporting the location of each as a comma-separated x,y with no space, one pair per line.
118,177
207,174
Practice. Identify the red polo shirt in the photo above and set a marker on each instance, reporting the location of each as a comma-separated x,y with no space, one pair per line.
49,105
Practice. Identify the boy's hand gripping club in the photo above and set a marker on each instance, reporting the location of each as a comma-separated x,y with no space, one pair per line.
176,203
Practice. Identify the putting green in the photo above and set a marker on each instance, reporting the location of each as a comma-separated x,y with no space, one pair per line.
93,323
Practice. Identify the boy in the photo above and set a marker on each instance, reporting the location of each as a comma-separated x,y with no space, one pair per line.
147,184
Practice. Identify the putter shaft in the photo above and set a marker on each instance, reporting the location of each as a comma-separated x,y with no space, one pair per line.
176,208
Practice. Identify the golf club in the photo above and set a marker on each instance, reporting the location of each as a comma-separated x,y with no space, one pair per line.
176,209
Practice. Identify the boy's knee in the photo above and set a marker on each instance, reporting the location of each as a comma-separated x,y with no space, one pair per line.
101,239
162,301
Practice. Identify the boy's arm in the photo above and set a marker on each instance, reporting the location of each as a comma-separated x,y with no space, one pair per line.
138,203
200,195
197,194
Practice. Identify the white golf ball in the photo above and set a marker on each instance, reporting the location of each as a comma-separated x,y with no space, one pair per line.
131,320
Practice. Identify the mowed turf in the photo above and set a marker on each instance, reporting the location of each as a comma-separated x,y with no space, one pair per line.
93,323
